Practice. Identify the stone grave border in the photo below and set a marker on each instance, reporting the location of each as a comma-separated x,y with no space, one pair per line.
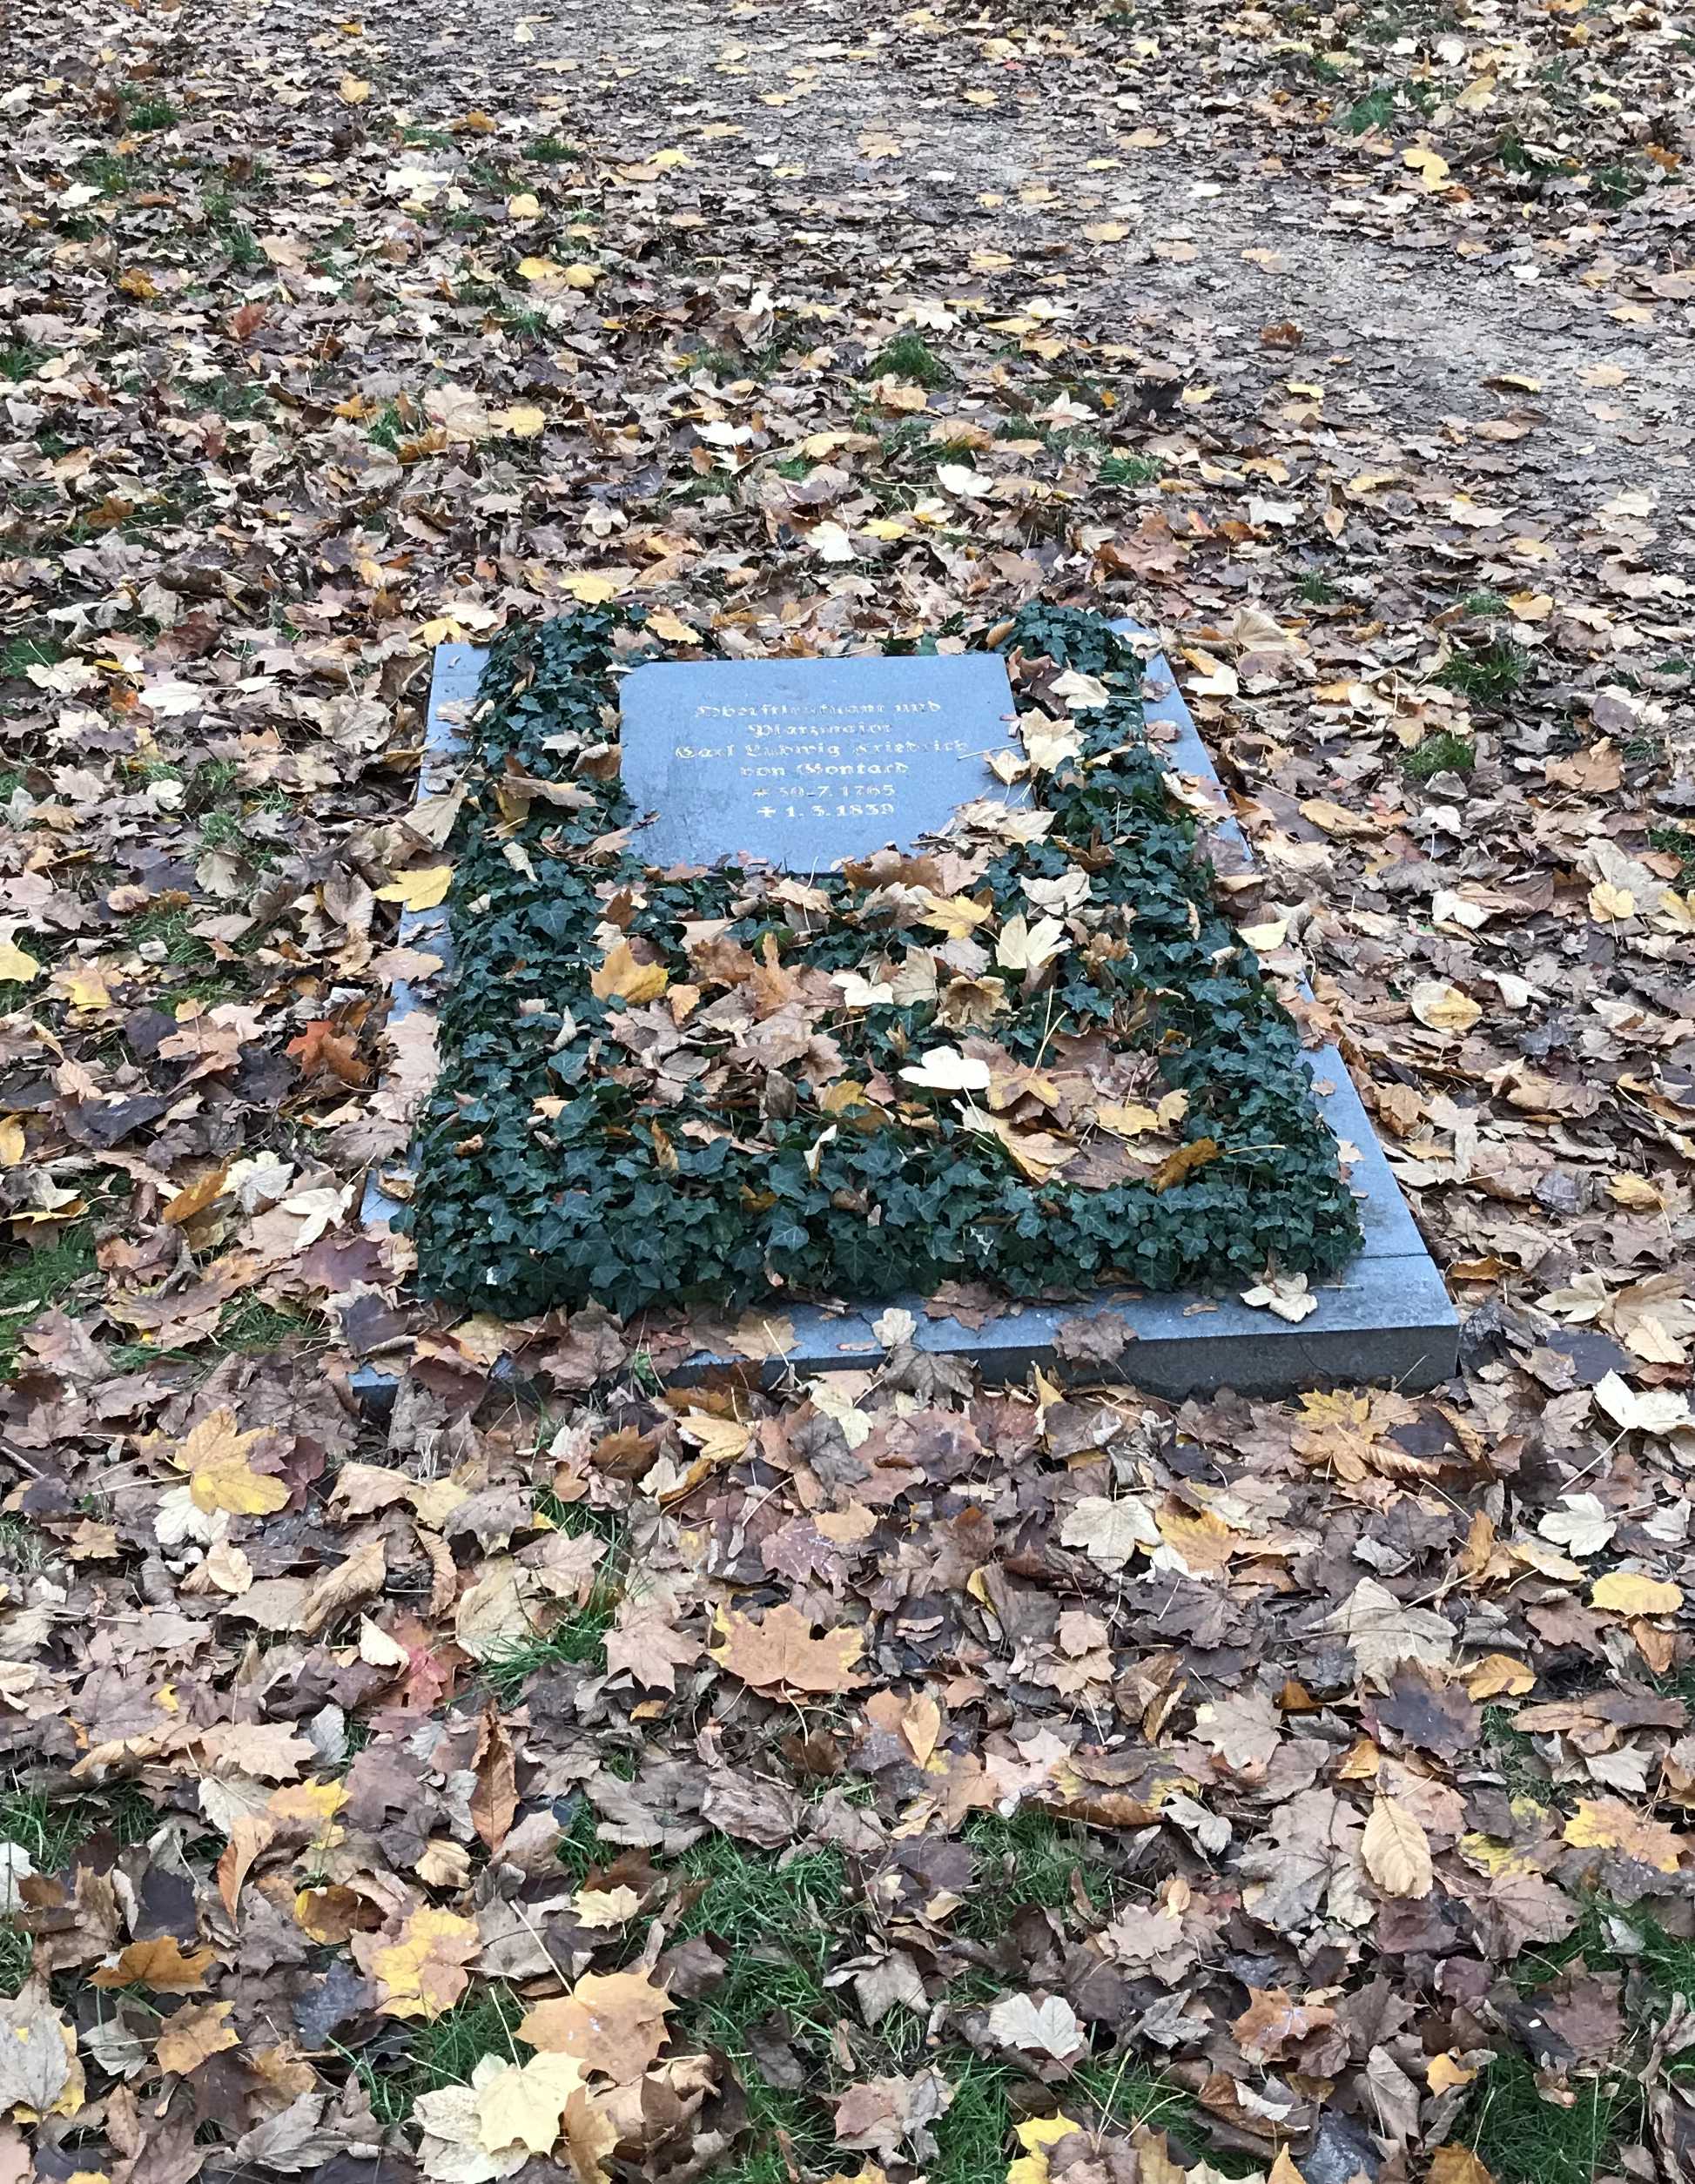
1386,1317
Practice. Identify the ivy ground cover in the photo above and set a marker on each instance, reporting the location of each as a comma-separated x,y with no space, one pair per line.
1032,1054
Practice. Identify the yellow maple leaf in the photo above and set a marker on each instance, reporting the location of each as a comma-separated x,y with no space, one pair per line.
353,91
1443,1007
523,420
1608,905
421,888
1430,167
589,586
317,1804
423,1972
193,2036
214,1455
955,915
547,272
87,988
17,965
521,2104
611,2021
1608,1824
621,975
1629,1593
1035,2137
723,1439
524,206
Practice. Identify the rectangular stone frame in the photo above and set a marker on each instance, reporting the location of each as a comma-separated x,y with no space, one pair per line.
1386,1317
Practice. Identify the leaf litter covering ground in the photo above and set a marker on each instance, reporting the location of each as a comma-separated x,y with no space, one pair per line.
888,1775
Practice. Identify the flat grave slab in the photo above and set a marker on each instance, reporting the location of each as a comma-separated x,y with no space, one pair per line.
1386,1317
804,762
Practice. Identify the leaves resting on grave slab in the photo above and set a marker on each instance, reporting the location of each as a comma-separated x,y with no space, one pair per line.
706,1087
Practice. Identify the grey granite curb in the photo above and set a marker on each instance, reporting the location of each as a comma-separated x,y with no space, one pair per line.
1387,1317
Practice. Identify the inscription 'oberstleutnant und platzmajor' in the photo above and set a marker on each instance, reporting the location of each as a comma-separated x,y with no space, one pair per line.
804,762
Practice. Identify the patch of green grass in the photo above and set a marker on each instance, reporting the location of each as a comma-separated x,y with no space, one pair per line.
716,485
109,174
1488,673
909,356
1442,753
1129,470
1523,2139
579,1520
144,114
973,2137
794,467
229,826
1375,110
417,139
34,1279
1665,1961
528,322
22,360
1513,1756
443,2054
52,1830
211,780
388,429
168,930
16,1958
240,399
255,1328
551,151
1128,2093
1611,1936
779,1925
723,364
748,1898
1485,603
1318,591
1678,842
1617,183
19,654
223,212
576,1640
904,440
1029,1860
23,1545
583,1849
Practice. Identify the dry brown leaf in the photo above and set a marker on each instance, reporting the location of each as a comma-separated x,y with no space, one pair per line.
1396,1850
159,1964
193,2036
613,2022
780,1653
